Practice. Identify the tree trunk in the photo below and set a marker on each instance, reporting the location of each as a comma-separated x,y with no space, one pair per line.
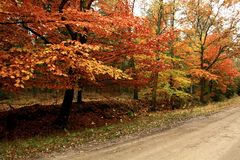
155,73
79,98
62,119
135,89
154,92
202,90
135,77
171,85
135,93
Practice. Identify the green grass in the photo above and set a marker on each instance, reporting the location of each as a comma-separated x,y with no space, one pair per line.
36,146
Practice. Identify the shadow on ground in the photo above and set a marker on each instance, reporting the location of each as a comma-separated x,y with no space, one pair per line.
38,120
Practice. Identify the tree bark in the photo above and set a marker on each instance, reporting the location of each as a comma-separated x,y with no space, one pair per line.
62,119
154,92
135,89
202,90
135,77
79,97
135,93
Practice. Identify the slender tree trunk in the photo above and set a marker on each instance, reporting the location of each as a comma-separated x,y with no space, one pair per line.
154,92
135,93
202,80
172,98
202,90
210,86
135,89
171,45
80,97
155,73
62,119
192,89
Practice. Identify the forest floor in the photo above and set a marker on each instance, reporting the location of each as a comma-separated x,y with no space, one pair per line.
28,132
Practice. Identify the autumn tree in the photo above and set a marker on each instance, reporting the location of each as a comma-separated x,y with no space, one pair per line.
166,74
60,44
131,42
210,38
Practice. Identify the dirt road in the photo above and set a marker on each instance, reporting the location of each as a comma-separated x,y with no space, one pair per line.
213,138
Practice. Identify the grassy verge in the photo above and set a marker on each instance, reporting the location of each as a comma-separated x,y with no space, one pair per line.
36,146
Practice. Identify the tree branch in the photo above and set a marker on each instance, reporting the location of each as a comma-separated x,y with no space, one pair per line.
221,49
37,34
61,6
71,32
26,22
89,4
